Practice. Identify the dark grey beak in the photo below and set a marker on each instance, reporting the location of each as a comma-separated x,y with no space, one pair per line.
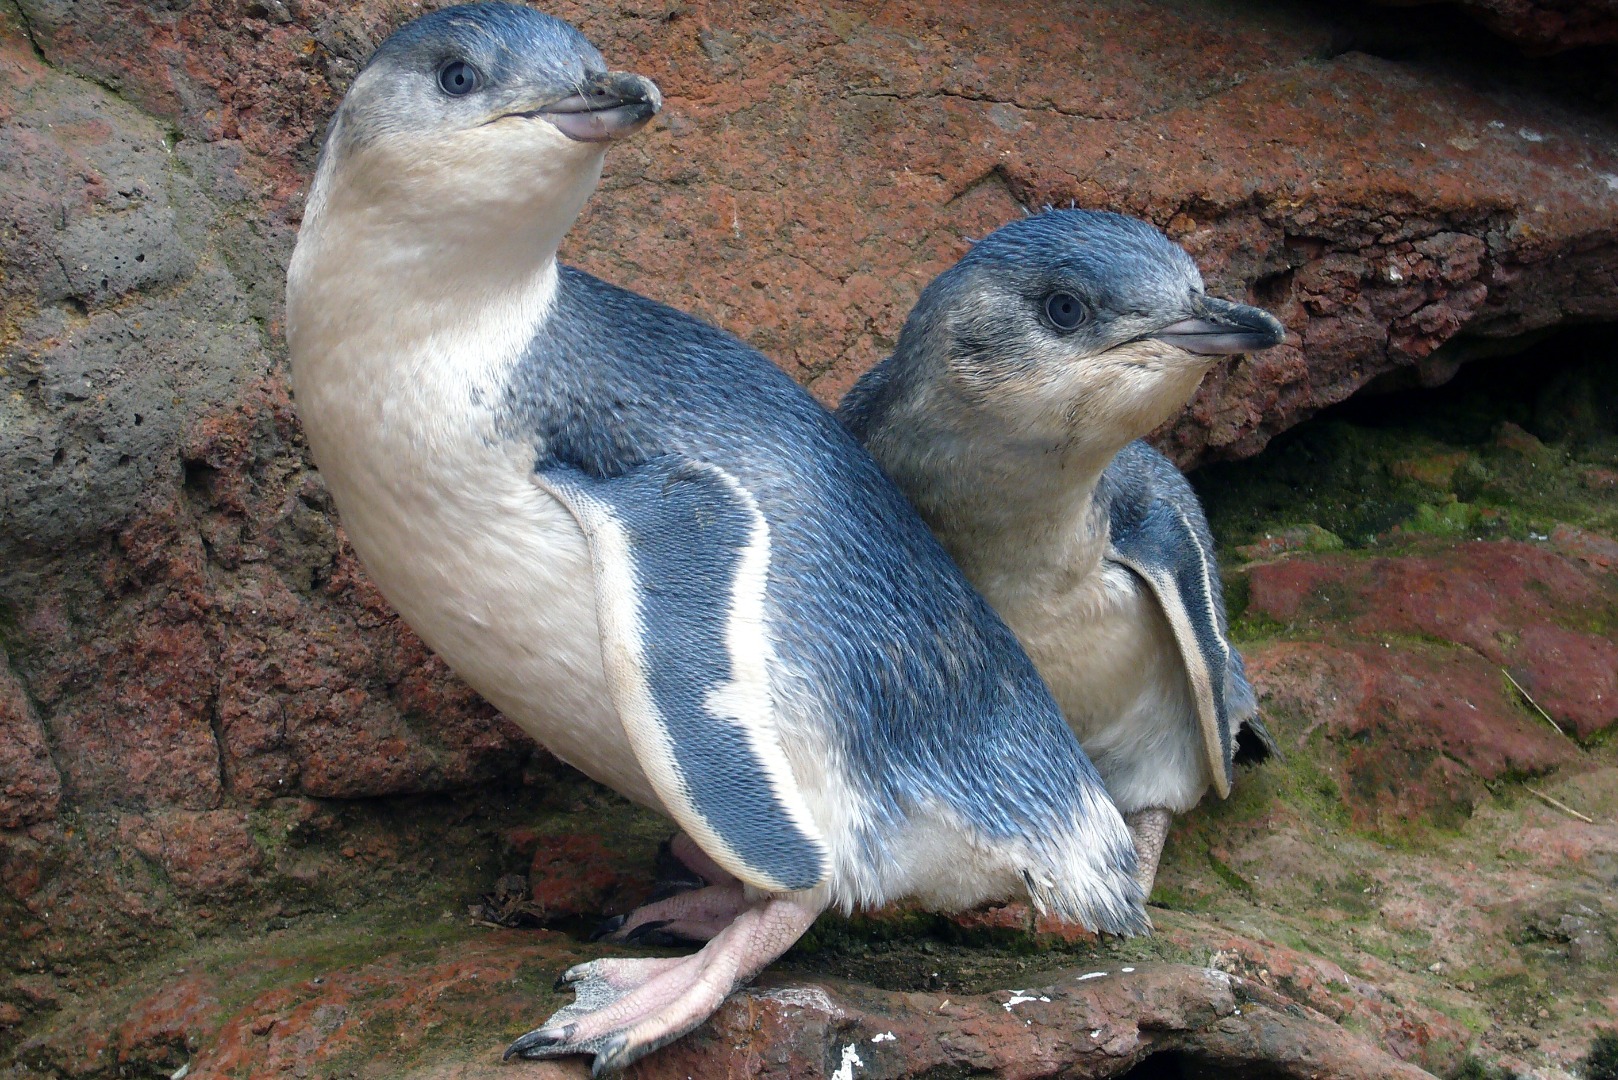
609,105
1220,327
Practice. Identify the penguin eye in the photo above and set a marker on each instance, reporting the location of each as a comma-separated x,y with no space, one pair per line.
458,78
1066,311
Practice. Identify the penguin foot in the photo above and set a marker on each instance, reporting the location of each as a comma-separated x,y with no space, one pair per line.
1149,828
682,919
626,1008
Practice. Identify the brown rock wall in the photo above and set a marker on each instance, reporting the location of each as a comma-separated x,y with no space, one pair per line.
30,786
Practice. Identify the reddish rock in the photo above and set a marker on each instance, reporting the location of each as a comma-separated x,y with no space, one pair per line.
1419,727
448,1009
1521,606
139,727
1411,1032
1598,552
581,876
30,789
209,853
192,639
1380,206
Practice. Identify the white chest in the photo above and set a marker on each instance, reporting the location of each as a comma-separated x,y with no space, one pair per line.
1108,653
491,571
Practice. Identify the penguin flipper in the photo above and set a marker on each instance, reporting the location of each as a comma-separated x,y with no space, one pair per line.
681,558
1161,546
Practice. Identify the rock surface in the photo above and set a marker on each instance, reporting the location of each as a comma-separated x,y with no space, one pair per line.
210,723
443,1005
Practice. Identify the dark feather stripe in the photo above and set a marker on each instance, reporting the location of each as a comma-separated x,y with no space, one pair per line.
687,534
1153,534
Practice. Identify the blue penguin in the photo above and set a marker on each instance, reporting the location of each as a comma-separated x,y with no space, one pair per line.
1010,413
651,549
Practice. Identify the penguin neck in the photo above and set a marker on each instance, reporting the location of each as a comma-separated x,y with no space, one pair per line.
410,254
1007,505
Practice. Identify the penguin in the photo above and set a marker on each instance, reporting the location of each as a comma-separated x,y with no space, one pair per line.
649,547
1011,413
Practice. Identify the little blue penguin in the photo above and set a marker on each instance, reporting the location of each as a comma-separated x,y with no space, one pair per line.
1011,413
649,547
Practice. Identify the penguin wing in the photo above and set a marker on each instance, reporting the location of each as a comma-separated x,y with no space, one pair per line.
681,558
1158,541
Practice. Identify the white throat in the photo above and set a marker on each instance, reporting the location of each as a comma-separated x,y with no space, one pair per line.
427,232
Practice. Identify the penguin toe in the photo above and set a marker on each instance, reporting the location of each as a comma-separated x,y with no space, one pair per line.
651,933
539,1043
608,927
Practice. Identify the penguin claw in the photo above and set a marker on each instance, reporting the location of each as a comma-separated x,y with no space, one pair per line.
608,927
647,932
539,1043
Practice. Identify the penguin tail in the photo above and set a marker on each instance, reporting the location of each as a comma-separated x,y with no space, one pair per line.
1085,873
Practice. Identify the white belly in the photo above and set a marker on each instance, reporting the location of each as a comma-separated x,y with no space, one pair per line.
1110,657
491,571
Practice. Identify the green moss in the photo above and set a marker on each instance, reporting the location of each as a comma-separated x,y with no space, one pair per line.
1230,877
1601,1063
1498,453
1475,1068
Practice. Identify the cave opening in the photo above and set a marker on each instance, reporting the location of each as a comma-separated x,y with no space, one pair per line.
1183,1065
1512,446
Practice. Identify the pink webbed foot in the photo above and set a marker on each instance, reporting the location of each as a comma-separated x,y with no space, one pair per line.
625,1008
701,900
684,918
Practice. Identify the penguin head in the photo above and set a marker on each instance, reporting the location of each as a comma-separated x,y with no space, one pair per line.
480,116
1072,328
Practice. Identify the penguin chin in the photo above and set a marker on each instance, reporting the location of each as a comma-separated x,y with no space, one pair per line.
498,178
1088,405
1141,385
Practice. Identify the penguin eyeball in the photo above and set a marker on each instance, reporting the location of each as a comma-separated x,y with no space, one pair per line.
1066,311
457,78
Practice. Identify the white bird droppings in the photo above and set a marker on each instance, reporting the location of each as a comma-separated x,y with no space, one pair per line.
804,997
886,1036
1529,135
1126,971
1092,975
851,1058
1019,996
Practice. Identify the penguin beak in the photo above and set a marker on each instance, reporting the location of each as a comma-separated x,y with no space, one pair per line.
1220,327
608,106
